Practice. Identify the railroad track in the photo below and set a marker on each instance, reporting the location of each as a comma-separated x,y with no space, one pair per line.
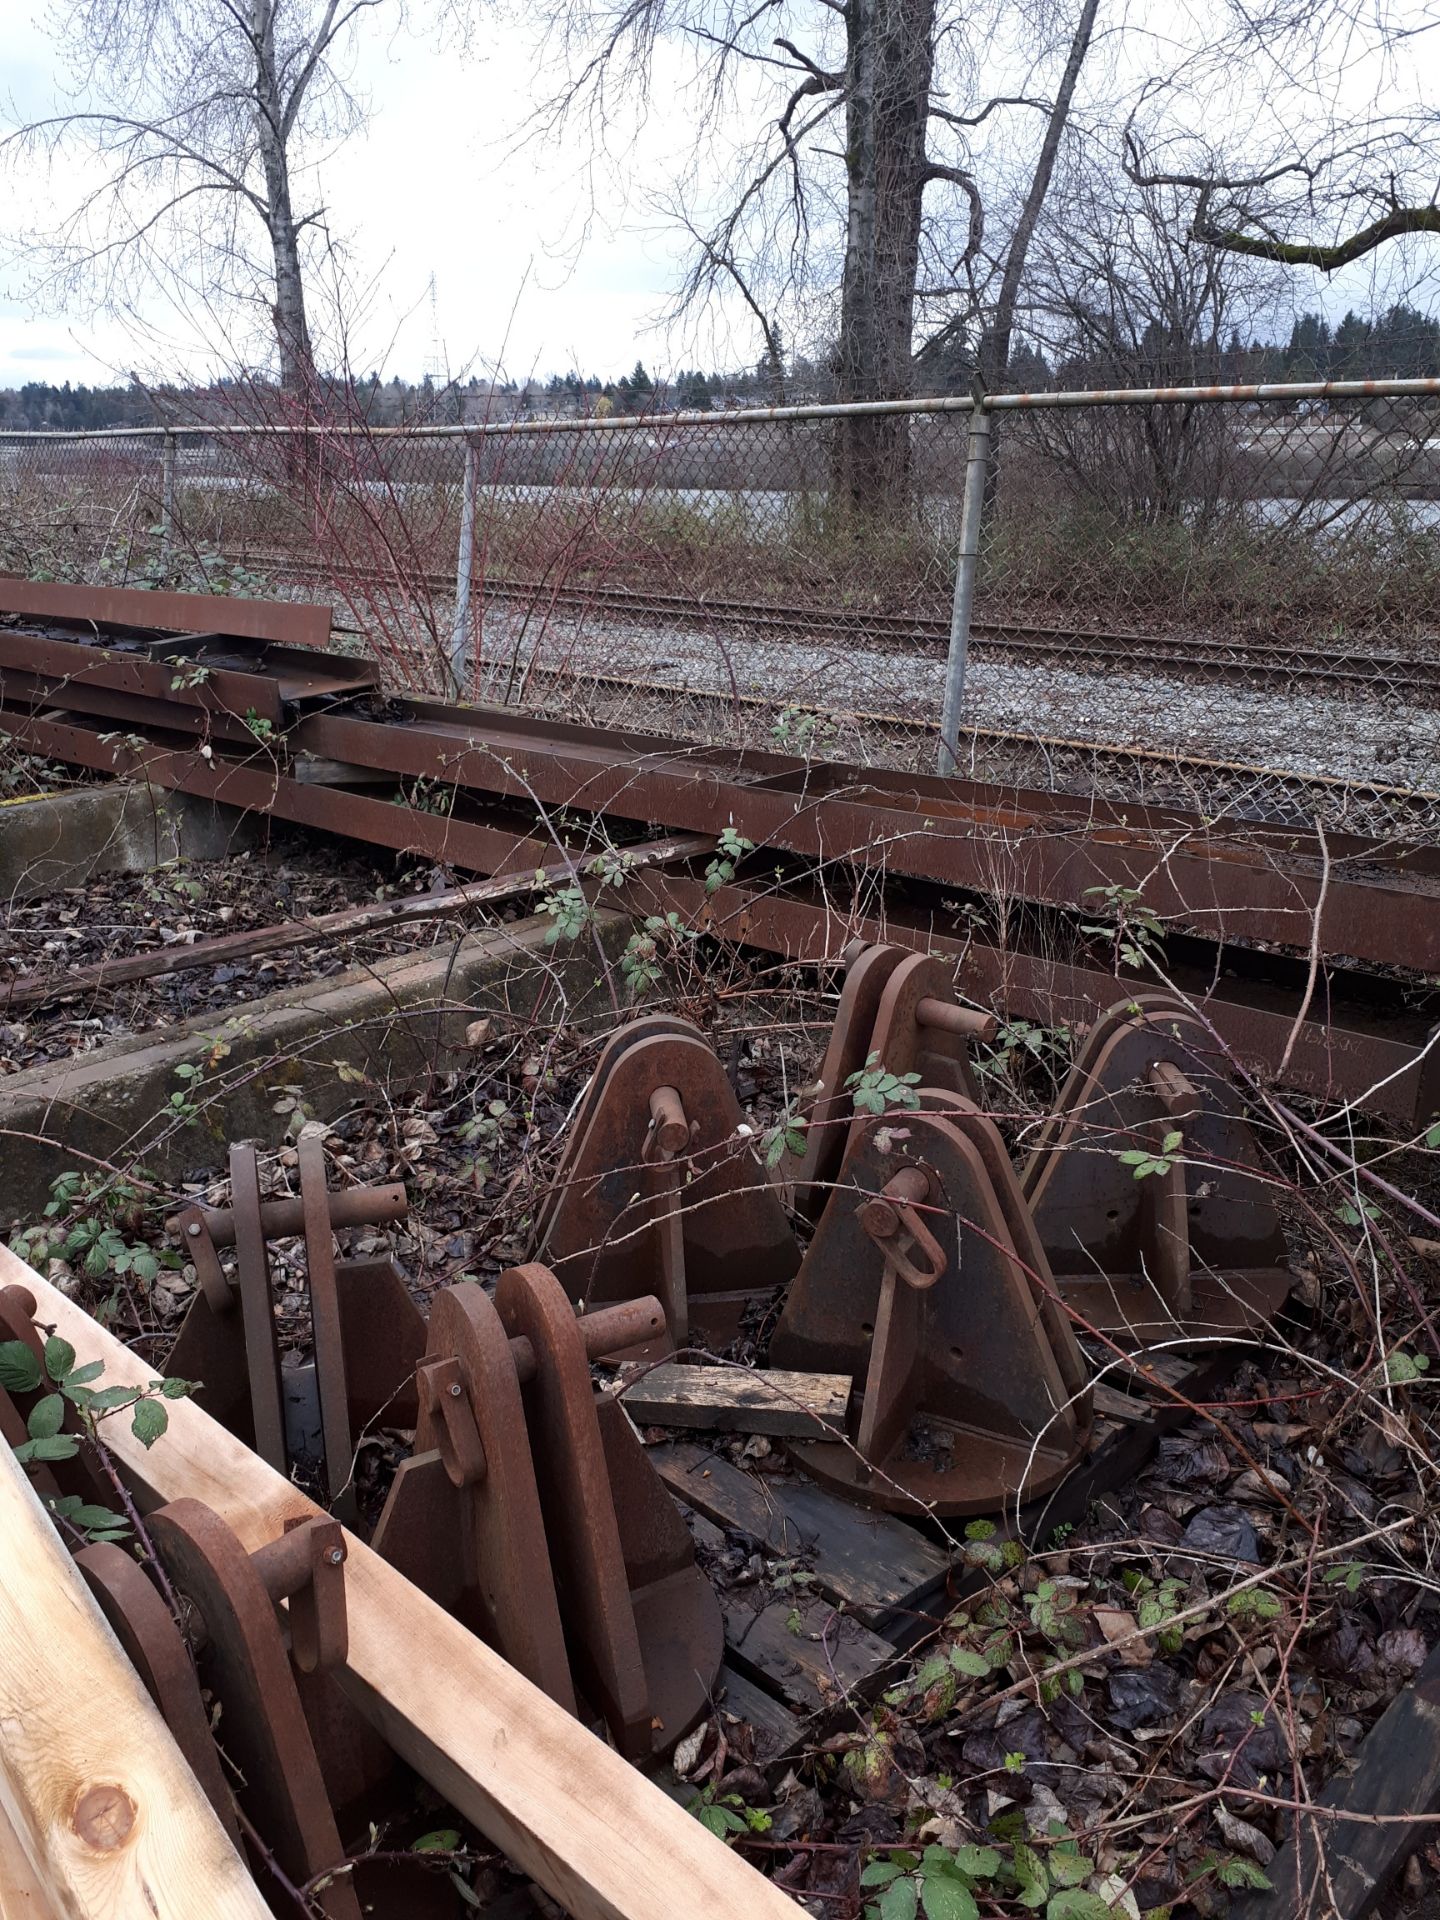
1264,663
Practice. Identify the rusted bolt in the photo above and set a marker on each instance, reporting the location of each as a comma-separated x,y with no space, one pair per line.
192,1227
337,1556
455,1390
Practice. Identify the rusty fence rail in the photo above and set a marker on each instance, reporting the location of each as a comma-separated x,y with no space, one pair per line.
1226,595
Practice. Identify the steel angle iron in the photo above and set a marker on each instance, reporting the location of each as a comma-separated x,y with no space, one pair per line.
659,1191
926,1281
367,1332
898,1010
1148,1188
531,1511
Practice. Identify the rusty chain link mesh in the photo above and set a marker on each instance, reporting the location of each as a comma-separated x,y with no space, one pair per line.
1235,606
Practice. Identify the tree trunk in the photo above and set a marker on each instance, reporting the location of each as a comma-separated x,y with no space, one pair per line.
994,355
888,67
292,330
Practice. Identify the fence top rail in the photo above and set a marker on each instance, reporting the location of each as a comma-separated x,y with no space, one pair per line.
1279,391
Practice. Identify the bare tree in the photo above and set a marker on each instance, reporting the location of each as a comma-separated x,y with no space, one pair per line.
202,122
1120,298
891,151
1325,145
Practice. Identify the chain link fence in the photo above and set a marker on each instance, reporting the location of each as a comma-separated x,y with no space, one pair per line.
1227,598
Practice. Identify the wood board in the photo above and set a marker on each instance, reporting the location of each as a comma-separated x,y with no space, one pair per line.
770,1400
593,1832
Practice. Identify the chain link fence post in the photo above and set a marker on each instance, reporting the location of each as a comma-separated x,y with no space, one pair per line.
167,500
464,565
977,461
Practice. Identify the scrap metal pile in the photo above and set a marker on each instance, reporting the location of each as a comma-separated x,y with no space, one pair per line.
965,1301
237,701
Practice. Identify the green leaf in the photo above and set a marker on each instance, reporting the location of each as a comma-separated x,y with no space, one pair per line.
88,1515
58,1446
19,1369
947,1897
463,1887
879,1873
178,1389
900,1901
82,1376
149,1422
443,1840
47,1416
1068,1869
1074,1903
1034,1880
109,1398
965,1660
59,1359
983,1862
1239,1872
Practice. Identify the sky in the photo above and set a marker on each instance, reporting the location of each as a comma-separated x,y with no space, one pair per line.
431,188
535,267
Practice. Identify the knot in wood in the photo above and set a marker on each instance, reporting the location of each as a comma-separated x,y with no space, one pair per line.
103,1816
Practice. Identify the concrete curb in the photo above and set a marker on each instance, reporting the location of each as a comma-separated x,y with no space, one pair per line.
398,1020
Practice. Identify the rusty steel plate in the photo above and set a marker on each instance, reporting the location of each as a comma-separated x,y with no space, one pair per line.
976,1410
265,1735
601,1240
619,1043
812,1173
325,1326
480,1551
575,1498
1099,1224
142,1623
904,1044
262,1353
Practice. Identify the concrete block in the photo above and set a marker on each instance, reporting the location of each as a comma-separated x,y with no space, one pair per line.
52,841
395,1022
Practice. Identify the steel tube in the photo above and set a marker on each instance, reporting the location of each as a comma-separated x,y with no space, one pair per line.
351,1207
609,1329
967,1022
464,566
977,460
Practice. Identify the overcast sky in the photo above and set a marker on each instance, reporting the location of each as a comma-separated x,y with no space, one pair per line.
428,189
434,187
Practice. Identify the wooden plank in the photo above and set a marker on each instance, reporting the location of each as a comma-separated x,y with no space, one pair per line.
776,1728
21,1895
595,1834
812,1656
107,1813
1348,1861
872,1563
800,1406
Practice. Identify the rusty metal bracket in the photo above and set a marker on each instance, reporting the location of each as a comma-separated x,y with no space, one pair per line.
924,1281
658,1192
368,1332
530,1510
898,1008
263,1729
145,1628
1189,1241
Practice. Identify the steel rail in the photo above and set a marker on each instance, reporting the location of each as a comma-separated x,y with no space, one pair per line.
926,635
869,837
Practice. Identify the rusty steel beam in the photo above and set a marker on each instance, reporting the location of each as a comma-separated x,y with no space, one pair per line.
292,622
1227,880
1341,1058
254,786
